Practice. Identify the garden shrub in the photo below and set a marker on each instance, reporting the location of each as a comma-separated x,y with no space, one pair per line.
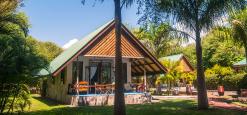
230,82
243,83
212,82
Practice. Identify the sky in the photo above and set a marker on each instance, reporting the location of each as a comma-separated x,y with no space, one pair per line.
64,21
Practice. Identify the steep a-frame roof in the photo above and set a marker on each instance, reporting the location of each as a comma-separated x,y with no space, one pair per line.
174,58
177,58
71,51
85,46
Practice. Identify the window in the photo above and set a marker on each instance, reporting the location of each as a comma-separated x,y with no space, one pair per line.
106,73
99,72
74,72
80,71
124,72
63,75
77,71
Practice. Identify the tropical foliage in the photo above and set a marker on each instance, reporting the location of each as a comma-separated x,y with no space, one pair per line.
175,75
219,72
239,29
19,59
172,77
218,48
161,39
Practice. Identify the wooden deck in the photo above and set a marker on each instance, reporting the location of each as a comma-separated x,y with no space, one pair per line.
107,99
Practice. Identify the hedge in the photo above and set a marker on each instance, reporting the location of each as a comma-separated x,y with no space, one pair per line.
231,82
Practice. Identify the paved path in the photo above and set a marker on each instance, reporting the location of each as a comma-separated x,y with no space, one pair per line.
216,104
173,97
225,105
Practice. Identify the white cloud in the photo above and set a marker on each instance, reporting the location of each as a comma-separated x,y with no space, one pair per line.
70,43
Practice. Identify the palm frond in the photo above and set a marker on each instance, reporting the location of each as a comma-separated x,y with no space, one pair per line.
189,12
239,32
127,3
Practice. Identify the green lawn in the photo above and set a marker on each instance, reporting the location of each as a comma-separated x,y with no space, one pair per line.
170,107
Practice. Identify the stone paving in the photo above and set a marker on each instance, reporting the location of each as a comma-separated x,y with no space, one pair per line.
225,105
214,100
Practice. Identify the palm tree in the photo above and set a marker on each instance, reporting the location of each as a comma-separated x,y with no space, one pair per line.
239,29
161,39
119,102
196,15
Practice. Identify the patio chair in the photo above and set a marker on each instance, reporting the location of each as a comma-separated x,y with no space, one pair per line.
83,87
140,88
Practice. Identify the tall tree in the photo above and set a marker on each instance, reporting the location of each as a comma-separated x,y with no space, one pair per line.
18,60
239,29
119,102
196,15
47,50
219,48
7,15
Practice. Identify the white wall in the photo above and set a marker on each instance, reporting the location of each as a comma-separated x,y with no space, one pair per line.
57,89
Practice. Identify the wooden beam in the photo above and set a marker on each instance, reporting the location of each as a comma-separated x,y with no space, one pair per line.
134,65
138,66
132,68
149,65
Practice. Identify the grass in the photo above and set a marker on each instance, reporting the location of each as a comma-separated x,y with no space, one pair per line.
42,106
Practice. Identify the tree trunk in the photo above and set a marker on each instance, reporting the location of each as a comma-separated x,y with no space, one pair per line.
119,102
202,90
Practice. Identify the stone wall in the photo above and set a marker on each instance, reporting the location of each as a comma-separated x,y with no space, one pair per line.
100,100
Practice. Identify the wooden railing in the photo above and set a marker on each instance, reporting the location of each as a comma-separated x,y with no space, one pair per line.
84,87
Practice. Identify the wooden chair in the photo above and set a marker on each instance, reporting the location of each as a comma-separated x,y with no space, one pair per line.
83,86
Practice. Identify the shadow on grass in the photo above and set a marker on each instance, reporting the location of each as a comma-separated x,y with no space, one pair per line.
47,101
169,107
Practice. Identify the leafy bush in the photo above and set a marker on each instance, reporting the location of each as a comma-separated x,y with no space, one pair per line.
230,82
243,83
212,82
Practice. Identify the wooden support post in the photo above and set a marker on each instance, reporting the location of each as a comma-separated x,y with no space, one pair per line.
77,76
145,81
